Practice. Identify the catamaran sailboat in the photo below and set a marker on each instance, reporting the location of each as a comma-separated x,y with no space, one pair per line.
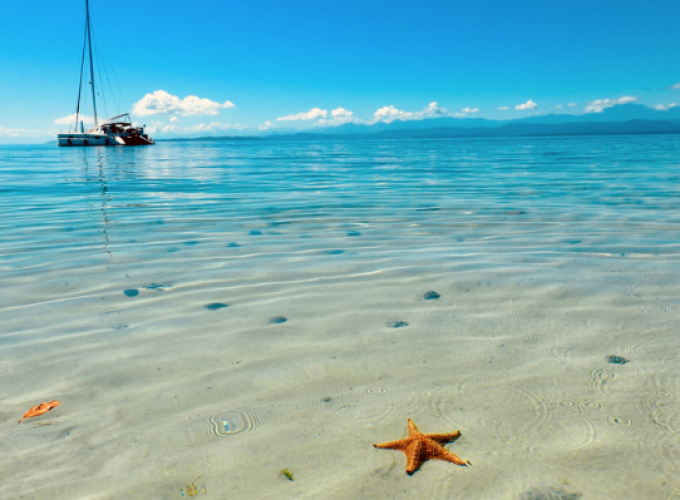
116,131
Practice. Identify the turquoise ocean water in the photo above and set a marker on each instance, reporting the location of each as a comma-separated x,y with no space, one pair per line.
212,313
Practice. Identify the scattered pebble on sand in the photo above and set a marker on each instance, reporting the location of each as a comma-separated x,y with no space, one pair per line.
215,306
396,324
619,360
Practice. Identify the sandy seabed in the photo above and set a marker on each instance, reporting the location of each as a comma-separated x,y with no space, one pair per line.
290,343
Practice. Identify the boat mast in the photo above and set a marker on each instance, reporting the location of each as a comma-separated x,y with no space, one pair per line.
80,85
89,44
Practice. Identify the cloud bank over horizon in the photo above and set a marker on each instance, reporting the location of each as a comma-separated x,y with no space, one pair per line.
161,103
386,114
20,133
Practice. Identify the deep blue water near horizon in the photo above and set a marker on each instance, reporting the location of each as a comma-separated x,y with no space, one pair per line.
546,256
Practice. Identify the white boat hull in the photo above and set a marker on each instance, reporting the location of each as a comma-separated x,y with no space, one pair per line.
88,139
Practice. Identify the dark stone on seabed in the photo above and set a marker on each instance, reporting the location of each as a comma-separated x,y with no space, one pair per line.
156,286
353,233
619,360
396,324
131,292
255,232
215,306
278,319
431,295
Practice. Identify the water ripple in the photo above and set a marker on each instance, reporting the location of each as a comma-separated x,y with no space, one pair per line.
231,422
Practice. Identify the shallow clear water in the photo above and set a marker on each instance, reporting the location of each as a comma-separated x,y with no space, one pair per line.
210,314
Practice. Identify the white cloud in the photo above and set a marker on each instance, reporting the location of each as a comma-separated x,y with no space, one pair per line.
12,132
23,133
675,86
171,128
432,109
71,119
572,104
465,111
312,114
266,125
160,127
665,107
601,104
388,114
213,127
339,116
174,119
527,105
162,103
558,106
504,108
340,112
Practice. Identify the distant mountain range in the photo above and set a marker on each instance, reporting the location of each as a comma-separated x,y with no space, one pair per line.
621,119
621,113
511,130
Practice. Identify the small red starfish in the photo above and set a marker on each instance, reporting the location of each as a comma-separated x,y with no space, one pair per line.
420,447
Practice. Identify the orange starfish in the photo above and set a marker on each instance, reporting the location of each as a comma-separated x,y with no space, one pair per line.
420,447
40,409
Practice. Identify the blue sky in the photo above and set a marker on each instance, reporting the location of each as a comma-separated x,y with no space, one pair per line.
251,63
